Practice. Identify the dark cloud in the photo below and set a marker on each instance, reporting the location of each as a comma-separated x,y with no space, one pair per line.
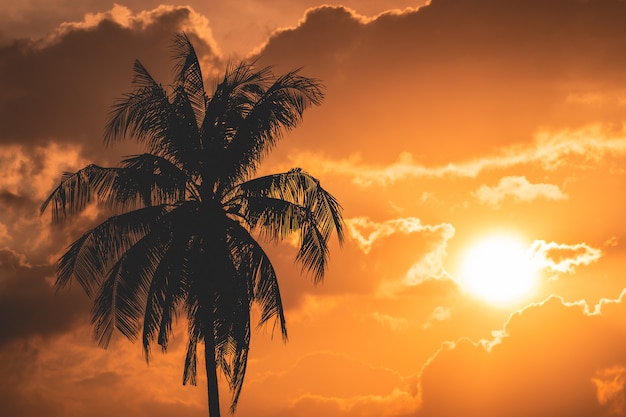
551,353
20,362
28,306
456,78
11,200
62,89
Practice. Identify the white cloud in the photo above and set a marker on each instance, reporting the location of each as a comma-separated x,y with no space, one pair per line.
430,266
367,232
560,257
394,323
519,188
550,150
440,313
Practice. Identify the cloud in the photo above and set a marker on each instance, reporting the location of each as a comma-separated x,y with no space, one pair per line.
312,308
440,313
367,232
520,189
5,236
28,306
32,172
394,323
430,266
60,81
66,375
551,150
561,257
383,258
610,391
398,85
356,388
430,259
190,22
396,403
552,359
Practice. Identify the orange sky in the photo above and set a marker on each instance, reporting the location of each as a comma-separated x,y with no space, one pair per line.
443,125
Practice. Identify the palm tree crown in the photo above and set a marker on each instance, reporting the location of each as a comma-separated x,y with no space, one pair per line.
181,238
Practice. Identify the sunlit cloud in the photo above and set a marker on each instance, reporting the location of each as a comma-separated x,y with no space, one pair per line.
609,384
488,363
33,171
597,98
563,258
356,388
550,150
195,22
439,314
394,323
520,189
119,14
315,16
5,236
313,308
430,264
367,232
397,402
12,260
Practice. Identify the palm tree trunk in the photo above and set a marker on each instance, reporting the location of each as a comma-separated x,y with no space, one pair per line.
211,376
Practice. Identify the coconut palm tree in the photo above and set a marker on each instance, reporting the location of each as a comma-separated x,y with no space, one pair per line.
188,215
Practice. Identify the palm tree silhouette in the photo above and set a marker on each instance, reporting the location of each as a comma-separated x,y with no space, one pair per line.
186,214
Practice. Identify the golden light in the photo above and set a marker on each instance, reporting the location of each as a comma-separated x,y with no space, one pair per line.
498,269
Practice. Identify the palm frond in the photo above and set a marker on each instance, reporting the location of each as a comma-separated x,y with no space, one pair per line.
152,179
235,368
78,189
233,338
191,359
218,305
274,218
183,141
92,255
273,111
189,75
284,203
255,267
166,292
225,110
121,301
142,114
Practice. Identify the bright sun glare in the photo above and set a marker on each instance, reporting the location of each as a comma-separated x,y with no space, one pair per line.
498,269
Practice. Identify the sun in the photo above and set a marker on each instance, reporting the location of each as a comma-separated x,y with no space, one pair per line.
498,269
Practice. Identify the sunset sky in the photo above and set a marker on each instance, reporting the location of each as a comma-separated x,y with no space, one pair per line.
465,139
